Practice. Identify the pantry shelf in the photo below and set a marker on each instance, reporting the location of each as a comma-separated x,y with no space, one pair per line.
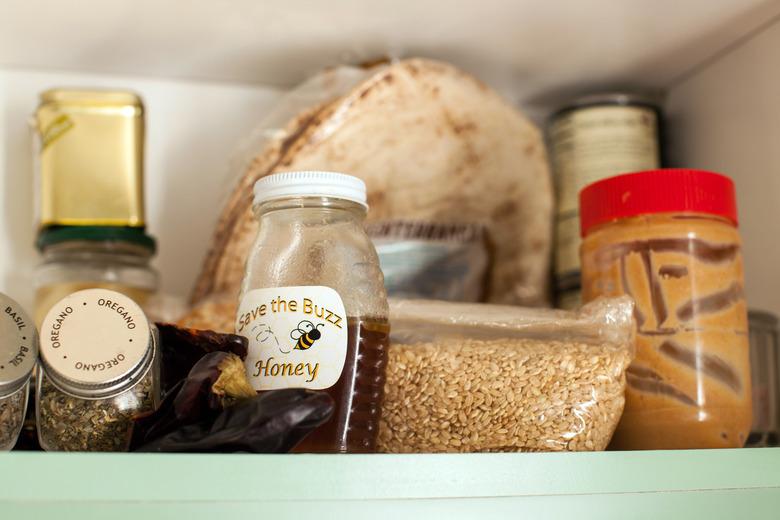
661,484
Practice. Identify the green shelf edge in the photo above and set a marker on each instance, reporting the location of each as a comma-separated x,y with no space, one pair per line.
39,478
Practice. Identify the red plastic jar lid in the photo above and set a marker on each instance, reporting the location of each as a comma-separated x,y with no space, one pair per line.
657,191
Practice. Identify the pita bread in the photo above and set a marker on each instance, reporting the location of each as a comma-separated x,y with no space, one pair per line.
217,313
432,143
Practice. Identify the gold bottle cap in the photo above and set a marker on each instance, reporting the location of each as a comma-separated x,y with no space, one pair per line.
91,155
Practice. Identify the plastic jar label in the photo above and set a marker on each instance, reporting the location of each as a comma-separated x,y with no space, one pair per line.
297,337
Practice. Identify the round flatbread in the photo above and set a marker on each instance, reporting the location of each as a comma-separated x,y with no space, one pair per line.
432,143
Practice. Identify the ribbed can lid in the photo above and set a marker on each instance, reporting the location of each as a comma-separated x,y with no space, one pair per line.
310,184
657,191
96,343
18,346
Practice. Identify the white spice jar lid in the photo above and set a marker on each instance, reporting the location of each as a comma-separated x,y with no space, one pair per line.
95,343
18,346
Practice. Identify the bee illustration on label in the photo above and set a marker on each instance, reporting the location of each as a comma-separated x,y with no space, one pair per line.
305,334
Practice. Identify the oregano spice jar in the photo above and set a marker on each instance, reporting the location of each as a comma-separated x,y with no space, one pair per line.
18,355
100,368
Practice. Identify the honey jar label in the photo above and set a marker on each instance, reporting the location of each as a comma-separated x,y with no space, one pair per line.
297,336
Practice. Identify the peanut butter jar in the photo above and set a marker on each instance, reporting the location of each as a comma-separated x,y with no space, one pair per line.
669,239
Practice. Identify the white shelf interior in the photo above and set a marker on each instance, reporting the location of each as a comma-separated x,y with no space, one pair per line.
726,118
209,71
532,47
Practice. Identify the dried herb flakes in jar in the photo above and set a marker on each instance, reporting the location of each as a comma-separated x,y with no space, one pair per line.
77,424
12,411
18,355
100,368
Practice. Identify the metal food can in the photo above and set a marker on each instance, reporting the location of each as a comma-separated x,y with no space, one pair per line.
90,158
592,138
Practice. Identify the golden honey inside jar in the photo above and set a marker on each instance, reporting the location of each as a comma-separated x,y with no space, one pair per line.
669,239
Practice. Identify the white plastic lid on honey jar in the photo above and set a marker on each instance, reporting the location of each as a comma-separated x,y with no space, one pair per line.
18,346
96,343
310,184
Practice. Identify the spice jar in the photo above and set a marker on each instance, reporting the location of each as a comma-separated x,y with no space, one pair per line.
83,257
669,239
313,303
18,355
100,368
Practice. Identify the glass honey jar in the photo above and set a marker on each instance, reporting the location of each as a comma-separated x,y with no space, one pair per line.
313,303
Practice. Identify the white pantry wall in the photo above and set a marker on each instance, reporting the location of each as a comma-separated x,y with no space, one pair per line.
192,131
726,117
529,49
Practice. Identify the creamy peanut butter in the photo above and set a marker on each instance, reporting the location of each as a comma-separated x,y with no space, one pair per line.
689,385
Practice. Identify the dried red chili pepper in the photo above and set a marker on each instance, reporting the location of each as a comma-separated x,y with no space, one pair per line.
273,422
181,348
216,409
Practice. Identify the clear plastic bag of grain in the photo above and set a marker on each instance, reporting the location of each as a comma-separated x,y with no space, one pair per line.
465,377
